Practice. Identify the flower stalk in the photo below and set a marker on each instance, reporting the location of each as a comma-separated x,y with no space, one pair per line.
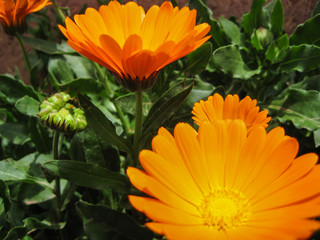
57,188
25,55
58,10
138,128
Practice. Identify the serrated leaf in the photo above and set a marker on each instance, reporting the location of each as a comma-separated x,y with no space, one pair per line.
302,58
46,46
88,175
307,33
231,30
28,106
102,126
300,106
229,60
99,221
198,59
165,107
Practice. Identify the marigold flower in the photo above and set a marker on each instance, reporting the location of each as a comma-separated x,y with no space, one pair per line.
222,183
132,44
215,108
13,13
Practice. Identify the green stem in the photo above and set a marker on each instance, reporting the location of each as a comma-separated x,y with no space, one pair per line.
138,128
125,123
58,10
57,188
25,55
103,79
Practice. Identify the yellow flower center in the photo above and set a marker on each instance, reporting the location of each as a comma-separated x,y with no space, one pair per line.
224,208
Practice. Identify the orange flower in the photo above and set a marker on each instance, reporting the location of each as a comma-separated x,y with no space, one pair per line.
215,108
134,45
13,13
222,183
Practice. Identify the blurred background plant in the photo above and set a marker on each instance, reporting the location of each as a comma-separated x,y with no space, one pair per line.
253,56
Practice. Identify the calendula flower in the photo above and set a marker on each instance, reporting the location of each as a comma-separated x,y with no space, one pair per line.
215,108
132,44
13,13
222,183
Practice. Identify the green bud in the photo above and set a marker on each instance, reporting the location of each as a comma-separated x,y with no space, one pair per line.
264,36
58,113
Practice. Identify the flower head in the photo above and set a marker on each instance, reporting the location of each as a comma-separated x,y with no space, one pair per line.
222,183
132,44
13,13
58,113
215,108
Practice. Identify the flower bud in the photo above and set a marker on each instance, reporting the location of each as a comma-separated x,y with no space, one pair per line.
59,113
264,36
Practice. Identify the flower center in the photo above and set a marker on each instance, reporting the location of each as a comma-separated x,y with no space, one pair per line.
224,208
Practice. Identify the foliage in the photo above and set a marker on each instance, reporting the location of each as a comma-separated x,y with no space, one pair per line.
254,57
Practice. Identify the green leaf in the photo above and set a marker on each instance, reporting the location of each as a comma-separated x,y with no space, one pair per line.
198,59
128,105
165,107
316,9
93,148
317,138
35,194
255,41
102,126
28,106
300,106
271,52
307,33
88,175
5,195
308,83
39,135
30,225
82,67
302,58
15,89
276,19
229,60
18,171
231,30
15,132
46,46
59,71
102,223
83,85
253,19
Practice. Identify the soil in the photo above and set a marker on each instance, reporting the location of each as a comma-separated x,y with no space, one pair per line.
296,12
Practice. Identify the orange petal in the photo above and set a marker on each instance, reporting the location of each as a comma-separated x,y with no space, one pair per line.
158,211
